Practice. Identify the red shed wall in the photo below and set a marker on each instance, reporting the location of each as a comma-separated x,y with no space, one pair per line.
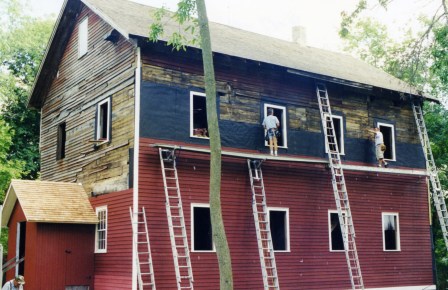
17,215
113,270
305,189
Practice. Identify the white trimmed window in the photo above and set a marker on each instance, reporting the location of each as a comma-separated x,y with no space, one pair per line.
198,115
83,37
279,225
101,230
391,232
338,123
280,113
103,120
336,240
388,131
201,228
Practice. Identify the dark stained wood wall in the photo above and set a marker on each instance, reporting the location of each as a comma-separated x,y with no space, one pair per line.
304,189
113,270
106,70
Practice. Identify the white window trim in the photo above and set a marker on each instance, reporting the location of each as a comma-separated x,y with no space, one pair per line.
329,230
282,123
288,233
398,231
393,139
18,237
83,37
192,94
194,205
97,210
342,149
98,118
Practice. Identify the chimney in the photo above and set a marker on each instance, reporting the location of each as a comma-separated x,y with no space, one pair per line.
299,35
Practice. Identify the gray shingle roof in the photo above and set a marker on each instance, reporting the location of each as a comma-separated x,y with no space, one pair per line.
132,19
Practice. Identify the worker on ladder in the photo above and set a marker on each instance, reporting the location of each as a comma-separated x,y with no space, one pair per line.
271,124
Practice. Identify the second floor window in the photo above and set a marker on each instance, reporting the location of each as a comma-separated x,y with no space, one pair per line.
198,115
280,113
101,230
103,121
339,133
62,136
388,131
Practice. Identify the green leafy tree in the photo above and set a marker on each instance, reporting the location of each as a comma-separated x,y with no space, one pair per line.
184,15
23,40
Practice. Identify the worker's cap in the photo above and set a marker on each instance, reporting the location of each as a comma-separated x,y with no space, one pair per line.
20,279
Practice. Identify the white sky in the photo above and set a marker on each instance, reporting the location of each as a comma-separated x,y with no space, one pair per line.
321,18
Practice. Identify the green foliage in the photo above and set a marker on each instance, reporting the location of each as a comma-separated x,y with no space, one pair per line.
440,53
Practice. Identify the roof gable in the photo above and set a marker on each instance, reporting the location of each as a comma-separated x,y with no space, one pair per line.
49,202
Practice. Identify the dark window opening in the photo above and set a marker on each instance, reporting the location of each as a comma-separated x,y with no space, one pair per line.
279,113
277,222
103,121
390,232
62,137
22,239
335,138
337,242
203,240
200,125
388,141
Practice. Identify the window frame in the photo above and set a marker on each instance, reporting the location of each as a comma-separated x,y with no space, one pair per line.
341,133
98,120
61,149
287,227
398,239
193,206
330,241
83,37
192,95
283,123
379,124
97,211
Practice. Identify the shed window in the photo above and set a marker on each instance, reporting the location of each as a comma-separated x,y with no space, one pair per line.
280,113
389,140
339,133
202,239
279,225
103,120
101,230
391,232
335,232
198,115
62,136
83,37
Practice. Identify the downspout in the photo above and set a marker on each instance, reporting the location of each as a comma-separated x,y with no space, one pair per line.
135,161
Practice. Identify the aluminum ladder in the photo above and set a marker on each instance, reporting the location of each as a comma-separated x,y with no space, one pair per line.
339,188
436,187
262,227
176,220
145,271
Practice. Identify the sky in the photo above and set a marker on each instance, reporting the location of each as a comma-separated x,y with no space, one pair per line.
320,18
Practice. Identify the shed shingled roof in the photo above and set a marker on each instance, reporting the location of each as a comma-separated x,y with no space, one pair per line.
133,20
49,202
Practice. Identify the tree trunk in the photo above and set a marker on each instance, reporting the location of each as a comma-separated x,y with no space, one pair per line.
219,235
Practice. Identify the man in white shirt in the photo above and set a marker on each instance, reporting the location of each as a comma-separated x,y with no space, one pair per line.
271,123
15,284
379,142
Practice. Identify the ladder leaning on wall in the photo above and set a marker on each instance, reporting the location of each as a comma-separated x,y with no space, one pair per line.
145,271
176,220
262,227
436,187
339,188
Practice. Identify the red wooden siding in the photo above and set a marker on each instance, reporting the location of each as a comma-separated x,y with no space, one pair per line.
56,255
113,270
306,190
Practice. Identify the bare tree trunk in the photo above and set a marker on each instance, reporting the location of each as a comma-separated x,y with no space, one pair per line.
219,235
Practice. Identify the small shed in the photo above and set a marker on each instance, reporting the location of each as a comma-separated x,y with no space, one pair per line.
52,226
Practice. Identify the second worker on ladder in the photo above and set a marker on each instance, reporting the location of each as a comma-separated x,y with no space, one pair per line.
271,124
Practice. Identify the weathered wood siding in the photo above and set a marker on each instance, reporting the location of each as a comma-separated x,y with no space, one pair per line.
245,86
113,270
306,191
107,70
